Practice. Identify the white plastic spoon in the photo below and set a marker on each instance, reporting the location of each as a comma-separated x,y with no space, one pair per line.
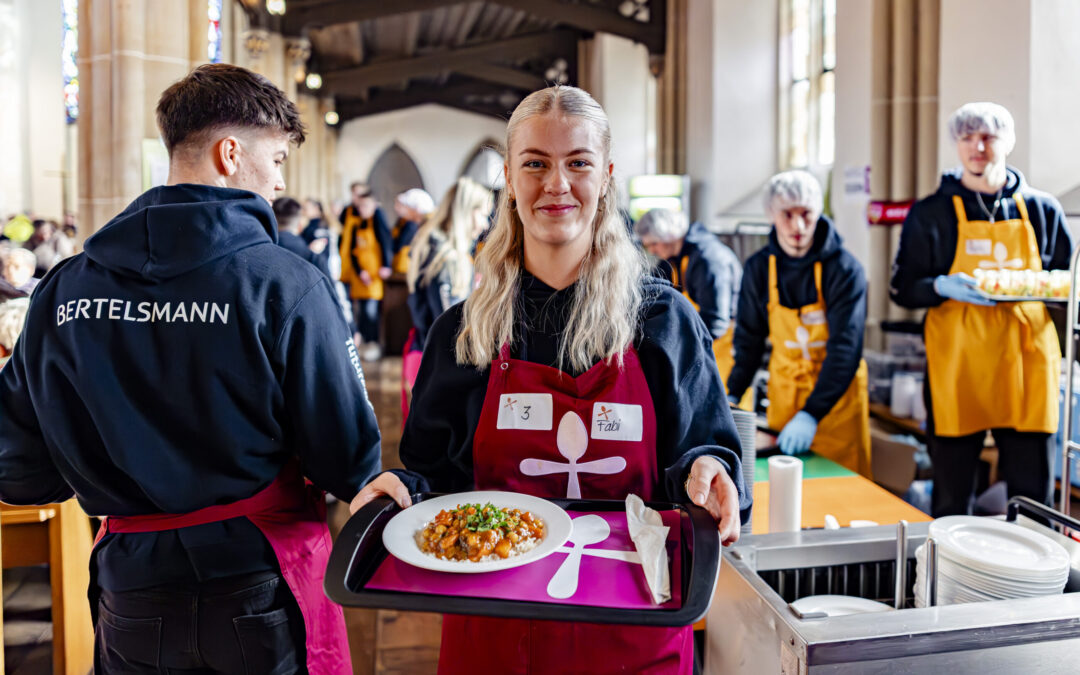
590,529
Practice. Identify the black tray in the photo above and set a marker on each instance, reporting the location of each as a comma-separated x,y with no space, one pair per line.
359,551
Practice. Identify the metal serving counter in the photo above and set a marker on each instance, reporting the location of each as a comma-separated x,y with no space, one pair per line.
751,628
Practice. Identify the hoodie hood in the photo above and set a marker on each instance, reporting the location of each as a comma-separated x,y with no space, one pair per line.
171,230
827,243
951,185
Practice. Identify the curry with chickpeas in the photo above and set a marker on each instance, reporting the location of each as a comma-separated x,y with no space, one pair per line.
472,533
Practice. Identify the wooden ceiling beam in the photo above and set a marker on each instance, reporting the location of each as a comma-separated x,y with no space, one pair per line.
346,81
455,96
597,19
510,77
299,16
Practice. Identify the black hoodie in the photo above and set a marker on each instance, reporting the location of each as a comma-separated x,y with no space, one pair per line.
928,240
713,277
176,364
843,283
675,349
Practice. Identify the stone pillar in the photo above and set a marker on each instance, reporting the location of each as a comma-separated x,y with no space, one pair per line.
129,52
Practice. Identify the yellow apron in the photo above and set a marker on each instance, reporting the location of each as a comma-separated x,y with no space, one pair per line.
723,346
993,367
799,337
359,234
400,264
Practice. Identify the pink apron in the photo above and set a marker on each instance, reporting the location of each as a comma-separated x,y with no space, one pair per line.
545,433
410,366
292,516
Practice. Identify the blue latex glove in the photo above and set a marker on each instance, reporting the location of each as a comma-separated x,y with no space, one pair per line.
960,287
798,434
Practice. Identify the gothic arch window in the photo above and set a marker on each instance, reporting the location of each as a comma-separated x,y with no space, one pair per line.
485,165
393,173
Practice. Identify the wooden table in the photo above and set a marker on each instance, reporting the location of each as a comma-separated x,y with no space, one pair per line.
846,497
59,535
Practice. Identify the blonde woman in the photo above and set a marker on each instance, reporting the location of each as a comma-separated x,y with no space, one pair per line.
567,322
440,269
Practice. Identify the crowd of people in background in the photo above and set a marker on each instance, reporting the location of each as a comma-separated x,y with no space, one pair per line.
29,248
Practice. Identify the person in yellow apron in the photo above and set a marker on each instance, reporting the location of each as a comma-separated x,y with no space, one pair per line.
989,366
412,208
702,268
366,249
807,295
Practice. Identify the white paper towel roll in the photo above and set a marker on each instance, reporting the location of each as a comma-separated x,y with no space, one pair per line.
785,493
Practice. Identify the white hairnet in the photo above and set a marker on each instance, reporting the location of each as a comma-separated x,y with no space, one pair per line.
418,200
664,225
984,117
793,188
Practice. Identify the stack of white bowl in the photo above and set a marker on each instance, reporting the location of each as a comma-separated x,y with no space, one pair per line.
981,559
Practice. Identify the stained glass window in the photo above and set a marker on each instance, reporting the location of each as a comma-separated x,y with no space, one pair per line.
213,13
70,45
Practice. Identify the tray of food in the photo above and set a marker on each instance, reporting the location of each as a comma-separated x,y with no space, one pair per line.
514,555
1023,285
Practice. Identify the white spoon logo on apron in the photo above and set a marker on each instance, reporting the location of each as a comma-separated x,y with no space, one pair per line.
1001,253
589,529
802,342
572,440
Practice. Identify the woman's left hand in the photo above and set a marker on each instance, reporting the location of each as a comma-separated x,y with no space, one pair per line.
710,487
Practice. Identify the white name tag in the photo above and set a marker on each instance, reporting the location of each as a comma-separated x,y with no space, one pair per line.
978,246
616,422
525,411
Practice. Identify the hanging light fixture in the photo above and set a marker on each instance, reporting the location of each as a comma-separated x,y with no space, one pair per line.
313,81
332,118
275,7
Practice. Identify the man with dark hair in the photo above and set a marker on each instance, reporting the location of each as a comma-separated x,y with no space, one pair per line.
182,377
287,211
366,253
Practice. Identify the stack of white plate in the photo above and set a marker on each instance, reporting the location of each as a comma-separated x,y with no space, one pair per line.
982,559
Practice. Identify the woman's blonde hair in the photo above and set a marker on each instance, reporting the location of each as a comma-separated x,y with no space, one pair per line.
608,294
448,232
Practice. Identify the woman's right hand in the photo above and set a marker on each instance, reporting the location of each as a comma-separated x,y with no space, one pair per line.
387,484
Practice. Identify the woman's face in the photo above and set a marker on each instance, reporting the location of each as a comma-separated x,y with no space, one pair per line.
557,172
795,227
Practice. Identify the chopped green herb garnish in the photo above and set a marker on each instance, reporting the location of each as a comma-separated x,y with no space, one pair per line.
488,517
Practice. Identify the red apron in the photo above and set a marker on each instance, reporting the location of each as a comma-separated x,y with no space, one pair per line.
292,517
547,434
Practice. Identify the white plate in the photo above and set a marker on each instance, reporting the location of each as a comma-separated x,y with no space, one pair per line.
399,536
839,605
999,547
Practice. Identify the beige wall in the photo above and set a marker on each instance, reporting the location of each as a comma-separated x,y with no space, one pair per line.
731,101
620,81
986,48
1055,96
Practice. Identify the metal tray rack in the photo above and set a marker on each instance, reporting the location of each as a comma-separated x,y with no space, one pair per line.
1072,334
359,551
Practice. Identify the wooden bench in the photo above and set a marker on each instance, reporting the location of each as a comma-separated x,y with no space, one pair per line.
57,535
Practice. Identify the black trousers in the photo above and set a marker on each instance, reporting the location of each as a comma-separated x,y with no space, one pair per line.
1025,459
366,316
247,625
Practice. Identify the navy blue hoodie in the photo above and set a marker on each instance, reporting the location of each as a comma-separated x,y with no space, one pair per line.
176,364
928,240
843,283
713,277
